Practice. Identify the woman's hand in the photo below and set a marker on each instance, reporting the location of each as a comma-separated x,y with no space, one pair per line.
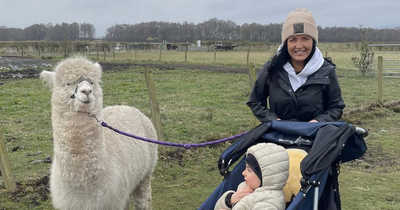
314,120
238,195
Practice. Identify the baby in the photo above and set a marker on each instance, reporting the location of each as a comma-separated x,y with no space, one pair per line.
266,173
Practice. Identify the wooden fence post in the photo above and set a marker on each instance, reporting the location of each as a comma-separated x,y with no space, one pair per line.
155,110
252,78
248,55
186,50
135,54
160,51
5,167
380,79
215,55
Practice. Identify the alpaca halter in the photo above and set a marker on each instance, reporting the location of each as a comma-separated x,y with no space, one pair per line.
76,88
165,143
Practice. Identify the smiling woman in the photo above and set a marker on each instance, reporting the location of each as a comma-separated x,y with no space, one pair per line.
300,47
298,82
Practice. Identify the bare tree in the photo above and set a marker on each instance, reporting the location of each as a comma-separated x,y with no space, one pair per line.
365,60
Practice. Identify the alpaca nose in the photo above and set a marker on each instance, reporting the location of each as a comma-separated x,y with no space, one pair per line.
86,91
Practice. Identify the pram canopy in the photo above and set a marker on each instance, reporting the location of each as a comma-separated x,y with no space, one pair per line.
327,143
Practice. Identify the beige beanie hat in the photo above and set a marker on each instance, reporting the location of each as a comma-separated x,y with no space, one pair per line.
298,22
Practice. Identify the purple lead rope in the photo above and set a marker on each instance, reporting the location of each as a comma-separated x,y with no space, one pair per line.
186,146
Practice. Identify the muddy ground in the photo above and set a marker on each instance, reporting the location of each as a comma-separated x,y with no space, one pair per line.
19,67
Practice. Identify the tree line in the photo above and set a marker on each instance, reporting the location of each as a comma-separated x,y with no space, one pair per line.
49,32
212,29
215,29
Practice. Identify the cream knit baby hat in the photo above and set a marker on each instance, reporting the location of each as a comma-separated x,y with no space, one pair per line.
298,22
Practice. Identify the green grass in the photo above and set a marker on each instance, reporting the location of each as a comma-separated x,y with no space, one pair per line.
236,57
199,106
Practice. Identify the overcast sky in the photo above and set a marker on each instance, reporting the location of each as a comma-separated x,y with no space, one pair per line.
106,13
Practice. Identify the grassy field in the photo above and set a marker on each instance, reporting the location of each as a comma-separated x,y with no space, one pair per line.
199,106
238,57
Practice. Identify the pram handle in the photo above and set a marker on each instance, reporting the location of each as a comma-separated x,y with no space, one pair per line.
363,132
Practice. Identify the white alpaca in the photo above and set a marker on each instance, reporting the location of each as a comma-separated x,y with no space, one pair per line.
93,167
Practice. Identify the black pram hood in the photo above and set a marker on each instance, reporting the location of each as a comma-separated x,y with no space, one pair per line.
328,139
327,147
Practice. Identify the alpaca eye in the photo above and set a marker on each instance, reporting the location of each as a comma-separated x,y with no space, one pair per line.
91,83
69,84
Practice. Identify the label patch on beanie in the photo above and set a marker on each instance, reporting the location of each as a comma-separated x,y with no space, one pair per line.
298,28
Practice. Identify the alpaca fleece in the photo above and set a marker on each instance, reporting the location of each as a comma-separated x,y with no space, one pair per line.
93,167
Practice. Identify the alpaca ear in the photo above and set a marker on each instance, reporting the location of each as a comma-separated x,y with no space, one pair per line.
98,66
48,77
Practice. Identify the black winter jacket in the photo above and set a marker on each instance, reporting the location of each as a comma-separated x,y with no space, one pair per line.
318,98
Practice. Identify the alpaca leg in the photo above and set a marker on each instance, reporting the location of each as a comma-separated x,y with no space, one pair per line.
142,195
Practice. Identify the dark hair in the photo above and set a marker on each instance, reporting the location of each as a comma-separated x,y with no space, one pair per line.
280,59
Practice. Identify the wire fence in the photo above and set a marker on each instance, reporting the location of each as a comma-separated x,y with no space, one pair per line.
390,56
242,55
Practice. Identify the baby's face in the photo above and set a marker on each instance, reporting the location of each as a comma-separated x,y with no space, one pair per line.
251,178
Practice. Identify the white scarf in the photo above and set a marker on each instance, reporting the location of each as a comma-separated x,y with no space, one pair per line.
296,80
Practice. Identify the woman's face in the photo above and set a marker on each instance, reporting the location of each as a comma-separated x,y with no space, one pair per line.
251,178
299,47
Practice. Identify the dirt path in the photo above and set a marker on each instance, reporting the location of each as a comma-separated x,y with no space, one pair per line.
227,69
19,68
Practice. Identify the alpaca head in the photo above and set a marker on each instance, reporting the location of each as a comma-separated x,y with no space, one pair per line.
75,85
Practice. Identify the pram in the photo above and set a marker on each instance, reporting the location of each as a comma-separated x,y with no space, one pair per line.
328,144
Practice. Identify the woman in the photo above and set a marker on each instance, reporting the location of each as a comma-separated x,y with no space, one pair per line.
298,82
